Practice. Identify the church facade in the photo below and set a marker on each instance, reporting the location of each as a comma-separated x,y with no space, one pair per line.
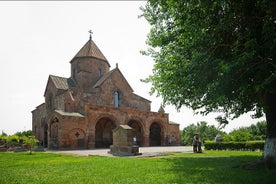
81,111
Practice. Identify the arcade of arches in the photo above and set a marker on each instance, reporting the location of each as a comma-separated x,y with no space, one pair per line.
150,129
104,127
75,133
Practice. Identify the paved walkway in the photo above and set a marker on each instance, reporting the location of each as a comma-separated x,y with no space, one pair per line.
146,151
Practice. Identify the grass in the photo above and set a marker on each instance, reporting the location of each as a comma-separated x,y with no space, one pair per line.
208,167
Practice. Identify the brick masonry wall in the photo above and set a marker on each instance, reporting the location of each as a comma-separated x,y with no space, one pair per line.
122,116
96,104
39,121
85,71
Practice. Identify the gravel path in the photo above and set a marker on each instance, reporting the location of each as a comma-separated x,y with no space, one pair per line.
146,151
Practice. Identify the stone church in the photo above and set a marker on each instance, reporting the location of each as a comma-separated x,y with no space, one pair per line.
81,111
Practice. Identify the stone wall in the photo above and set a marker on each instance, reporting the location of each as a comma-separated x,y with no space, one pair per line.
39,121
122,116
71,132
85,71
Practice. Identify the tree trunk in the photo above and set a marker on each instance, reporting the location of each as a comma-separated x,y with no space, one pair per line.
270,143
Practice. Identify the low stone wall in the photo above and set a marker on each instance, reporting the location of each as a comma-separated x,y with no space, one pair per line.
124,150
3,149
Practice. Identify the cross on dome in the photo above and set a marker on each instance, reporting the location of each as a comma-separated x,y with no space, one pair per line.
90,34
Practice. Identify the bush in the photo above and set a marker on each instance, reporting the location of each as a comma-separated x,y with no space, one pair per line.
31,141
255,145
244,146
13,140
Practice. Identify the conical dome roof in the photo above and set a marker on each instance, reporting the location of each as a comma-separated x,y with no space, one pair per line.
90,49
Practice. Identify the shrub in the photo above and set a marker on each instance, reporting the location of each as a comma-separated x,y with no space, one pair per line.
31,141
255,145
12,140
246,146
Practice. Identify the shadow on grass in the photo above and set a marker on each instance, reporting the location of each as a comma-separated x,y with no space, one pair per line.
219,170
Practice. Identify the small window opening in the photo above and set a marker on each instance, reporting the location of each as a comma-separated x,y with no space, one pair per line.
116,99
100,72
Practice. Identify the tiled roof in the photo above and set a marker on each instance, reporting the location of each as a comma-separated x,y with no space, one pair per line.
62,83
103,78
107,75
173,123
141,98
75,114
90,49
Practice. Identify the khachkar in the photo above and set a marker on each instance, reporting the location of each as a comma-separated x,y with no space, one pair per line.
123,142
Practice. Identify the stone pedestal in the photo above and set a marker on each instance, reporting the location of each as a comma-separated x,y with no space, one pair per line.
123,142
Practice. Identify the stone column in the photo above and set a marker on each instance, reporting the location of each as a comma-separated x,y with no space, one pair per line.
146,139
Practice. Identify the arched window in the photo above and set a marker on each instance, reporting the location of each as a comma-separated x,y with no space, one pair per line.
116,99
100,72
68,107
54,128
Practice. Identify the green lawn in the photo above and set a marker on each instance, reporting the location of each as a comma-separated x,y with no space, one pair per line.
209,167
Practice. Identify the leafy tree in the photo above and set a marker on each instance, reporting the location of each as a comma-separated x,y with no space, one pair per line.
31,141
215,56
206,132
3,134
258,130
250,133
239,135
188,133
261,128
24,133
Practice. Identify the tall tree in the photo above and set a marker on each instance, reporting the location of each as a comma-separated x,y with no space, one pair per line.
216,56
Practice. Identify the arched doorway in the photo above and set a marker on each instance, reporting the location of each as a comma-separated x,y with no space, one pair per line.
54,134
137,131
104,136
155,134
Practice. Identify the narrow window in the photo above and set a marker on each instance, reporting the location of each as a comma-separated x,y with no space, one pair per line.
50,101
68,107
116,99
100,72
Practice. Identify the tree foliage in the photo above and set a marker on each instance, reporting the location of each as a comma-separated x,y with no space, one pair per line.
24,133
250,133
19,139
254,132
205,131
214,56
31,141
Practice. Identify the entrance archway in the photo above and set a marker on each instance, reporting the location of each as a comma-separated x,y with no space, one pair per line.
137,131
155,134
54,135
104,136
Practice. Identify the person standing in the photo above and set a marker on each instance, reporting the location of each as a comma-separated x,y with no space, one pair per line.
169,140
195,142
134,140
